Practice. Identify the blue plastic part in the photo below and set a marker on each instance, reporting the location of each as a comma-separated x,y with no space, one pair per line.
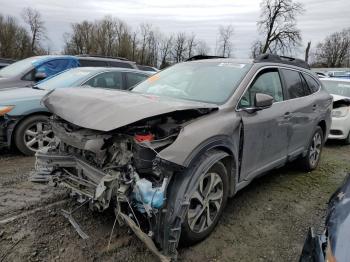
145,194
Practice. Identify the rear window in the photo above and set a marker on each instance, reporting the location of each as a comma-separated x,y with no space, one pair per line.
313,85
92,63
296,85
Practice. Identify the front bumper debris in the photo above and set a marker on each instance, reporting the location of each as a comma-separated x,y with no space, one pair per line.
96,188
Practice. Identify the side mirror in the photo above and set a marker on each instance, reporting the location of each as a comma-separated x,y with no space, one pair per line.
39,76
262,101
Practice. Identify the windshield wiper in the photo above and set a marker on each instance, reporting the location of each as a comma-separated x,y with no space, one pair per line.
36,87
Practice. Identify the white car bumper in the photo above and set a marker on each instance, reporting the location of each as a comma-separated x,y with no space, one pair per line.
340,127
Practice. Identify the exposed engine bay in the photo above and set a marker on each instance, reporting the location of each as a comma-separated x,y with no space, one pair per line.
122,169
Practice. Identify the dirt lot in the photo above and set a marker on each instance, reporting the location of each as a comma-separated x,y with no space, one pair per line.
267,221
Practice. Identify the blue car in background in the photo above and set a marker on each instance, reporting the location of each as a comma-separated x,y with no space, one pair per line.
28,71
24,121
32,70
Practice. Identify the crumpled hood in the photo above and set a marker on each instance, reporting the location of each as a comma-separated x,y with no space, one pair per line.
106,110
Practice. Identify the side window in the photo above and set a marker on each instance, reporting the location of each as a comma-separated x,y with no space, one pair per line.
133,79
294,83
120,64
306,88
267,82
30,76
107,80
313,85
92,63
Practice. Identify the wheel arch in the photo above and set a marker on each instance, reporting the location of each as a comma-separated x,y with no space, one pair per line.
323,126
226,145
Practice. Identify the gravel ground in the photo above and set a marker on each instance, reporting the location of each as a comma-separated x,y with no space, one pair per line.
267,221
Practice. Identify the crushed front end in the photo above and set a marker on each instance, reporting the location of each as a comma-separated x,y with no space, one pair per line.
121,168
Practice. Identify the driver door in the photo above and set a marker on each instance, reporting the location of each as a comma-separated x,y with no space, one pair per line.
265,132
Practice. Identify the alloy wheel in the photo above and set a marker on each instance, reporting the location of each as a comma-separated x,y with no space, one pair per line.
315,149
38,135
205,202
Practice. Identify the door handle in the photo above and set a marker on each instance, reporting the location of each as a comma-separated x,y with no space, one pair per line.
287,115
314,107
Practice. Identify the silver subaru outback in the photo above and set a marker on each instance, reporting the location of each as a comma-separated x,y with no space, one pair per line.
167,154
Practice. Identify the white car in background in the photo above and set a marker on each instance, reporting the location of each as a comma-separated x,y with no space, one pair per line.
340,89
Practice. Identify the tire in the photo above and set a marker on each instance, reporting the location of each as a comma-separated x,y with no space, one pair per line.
32,133
312,158
347,140
208,169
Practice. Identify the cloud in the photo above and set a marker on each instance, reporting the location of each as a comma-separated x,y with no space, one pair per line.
203,17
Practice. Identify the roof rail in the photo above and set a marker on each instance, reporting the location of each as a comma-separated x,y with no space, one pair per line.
281,59
201,57
7,60
102,56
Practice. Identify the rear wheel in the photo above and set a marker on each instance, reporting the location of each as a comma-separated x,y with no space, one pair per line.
312,158
32,134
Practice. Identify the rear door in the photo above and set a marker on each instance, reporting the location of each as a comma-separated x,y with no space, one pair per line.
111,80
303,109
265,138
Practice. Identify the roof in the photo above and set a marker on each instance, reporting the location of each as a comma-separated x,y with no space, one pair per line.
264,58
109,69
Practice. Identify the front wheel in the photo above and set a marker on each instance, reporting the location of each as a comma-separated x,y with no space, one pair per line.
207,200
312,158
32,134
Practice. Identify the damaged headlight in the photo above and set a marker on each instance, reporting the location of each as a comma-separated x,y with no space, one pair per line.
5,109
340,112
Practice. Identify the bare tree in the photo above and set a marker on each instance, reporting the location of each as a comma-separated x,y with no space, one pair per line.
33,19
225,40
334,51
191,44
307,51
277,24
14,39
165,51
180,47
202,48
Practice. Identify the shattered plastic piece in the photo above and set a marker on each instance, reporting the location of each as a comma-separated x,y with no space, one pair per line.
148,195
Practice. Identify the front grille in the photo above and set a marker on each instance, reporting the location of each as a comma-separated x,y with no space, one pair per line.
336,132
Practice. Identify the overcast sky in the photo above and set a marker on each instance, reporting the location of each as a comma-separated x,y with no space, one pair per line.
203,17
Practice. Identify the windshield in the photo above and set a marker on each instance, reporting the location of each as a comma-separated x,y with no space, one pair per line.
210,82
17,67
341,88
69,78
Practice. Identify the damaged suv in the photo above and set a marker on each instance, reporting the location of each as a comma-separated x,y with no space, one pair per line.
168,154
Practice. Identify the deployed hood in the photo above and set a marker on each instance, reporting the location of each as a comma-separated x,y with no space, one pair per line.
106,110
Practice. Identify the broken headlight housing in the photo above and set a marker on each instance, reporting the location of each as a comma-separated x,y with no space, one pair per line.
340,112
